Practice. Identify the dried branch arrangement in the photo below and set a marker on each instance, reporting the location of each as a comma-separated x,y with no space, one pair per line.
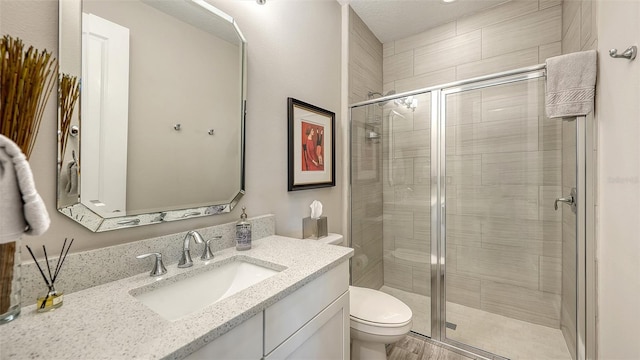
26,81
69,92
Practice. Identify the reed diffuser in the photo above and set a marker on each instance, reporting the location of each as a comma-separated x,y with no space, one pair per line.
53,298
26,81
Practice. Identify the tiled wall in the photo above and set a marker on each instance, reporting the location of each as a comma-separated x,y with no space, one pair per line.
503,165
579,33
513,35
365,75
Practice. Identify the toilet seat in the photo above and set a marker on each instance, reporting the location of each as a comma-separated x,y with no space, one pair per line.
375,312
370,323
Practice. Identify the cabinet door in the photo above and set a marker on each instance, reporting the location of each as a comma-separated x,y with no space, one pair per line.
244,342
326,336
285,317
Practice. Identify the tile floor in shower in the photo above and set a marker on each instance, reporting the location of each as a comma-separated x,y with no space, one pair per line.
501,335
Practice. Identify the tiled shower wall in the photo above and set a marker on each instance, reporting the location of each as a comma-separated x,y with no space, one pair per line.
365,75
579,32
509,36
504,252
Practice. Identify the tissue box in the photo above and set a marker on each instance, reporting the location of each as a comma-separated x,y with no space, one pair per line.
314,228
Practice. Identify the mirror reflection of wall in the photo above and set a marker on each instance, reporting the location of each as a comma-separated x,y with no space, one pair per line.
105,107
172,81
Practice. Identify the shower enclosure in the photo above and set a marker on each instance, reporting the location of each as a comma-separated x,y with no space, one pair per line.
468,204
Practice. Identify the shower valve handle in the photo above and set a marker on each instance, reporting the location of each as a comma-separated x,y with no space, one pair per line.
571,200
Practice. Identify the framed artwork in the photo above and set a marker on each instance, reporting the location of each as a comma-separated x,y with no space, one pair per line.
312,145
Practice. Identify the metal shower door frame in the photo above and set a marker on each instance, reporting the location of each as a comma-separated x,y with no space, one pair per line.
438,211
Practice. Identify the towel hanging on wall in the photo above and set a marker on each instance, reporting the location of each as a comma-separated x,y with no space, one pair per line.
22,210
571,81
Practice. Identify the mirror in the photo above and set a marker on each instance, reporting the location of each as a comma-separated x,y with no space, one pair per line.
157,132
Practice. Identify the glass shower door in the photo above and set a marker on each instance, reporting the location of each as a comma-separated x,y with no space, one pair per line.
406,205
503,239
390,201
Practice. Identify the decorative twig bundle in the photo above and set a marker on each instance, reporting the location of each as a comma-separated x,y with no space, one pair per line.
26,81
68,91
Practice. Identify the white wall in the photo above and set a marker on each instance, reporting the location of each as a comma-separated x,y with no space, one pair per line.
294,50
618,109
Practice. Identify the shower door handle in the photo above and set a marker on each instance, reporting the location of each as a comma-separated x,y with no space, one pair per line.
567,200
570,200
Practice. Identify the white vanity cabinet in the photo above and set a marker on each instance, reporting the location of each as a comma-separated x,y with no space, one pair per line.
242,343
313,322
310,323
326,336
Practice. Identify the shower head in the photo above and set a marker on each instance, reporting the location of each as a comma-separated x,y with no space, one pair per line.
393,112
371,94
409,102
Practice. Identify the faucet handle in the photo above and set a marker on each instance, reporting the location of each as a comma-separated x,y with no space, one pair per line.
207,254
158,268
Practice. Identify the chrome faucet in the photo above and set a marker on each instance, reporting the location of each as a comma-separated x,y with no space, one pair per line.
185,260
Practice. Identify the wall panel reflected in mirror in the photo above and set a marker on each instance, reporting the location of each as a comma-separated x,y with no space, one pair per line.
160,114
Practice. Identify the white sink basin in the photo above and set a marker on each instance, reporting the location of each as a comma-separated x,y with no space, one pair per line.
193,293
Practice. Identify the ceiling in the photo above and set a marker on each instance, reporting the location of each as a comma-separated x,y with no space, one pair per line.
396,19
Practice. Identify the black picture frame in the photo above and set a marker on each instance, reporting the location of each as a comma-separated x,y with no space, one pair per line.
311,146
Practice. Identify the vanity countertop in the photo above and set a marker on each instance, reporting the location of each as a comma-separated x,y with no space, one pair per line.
106,322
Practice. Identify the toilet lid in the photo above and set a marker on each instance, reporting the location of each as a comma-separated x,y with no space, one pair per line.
377,307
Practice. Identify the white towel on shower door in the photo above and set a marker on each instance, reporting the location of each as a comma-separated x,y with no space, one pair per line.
571,81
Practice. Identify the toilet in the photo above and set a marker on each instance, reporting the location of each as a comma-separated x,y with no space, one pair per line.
376,318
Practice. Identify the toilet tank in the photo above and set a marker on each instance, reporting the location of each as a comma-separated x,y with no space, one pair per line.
333,239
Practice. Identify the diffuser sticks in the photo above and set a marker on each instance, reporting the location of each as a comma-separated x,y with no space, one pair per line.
52,299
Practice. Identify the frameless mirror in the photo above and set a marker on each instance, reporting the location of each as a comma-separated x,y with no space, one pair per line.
157,131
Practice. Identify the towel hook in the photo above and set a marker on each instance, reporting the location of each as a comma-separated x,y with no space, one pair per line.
629,54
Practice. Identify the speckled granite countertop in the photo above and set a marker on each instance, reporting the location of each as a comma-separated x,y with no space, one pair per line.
106,322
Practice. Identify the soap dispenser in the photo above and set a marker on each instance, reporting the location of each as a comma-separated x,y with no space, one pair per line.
243,232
